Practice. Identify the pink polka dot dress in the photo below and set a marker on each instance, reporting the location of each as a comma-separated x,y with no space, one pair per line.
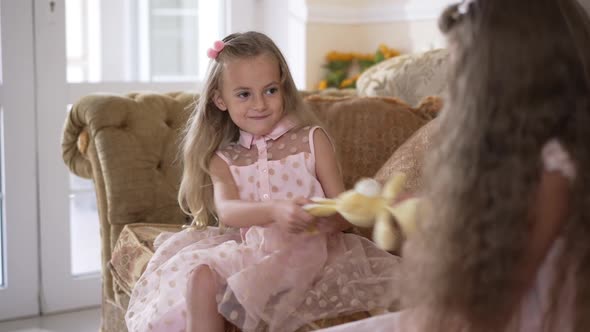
267,280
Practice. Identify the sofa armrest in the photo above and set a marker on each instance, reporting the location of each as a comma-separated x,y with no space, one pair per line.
74,144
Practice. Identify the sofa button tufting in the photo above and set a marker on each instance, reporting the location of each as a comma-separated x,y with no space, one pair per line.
159,165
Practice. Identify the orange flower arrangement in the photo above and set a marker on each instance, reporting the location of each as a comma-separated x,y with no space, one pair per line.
338,64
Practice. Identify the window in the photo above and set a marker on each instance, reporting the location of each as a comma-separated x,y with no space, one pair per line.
173,36
84,227
140,40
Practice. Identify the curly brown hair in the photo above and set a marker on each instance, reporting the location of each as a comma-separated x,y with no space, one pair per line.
519,77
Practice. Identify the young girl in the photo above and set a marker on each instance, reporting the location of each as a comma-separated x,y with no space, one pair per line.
252,158
505,246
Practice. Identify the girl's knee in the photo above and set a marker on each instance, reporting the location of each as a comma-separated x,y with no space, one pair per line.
201,278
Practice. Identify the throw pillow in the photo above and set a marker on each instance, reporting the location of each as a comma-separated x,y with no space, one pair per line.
409,157
409,77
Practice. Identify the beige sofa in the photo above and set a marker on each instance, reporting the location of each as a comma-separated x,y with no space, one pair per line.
128,146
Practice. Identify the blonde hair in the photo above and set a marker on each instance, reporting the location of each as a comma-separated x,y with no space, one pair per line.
519,78
209,128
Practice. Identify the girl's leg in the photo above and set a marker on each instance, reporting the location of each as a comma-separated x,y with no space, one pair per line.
202,314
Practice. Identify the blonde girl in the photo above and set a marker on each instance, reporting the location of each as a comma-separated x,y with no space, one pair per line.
253,156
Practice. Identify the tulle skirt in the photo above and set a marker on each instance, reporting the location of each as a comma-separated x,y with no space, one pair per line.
267,280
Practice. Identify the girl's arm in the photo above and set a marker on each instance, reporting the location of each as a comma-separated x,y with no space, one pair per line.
549,212
237,213
329,175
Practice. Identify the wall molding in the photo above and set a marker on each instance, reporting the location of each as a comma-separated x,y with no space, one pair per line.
339,14
298,10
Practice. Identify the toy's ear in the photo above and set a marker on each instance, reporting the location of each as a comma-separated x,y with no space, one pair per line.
406,214
386,233
394,186
322,207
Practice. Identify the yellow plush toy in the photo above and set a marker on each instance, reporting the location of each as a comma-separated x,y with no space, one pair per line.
369,205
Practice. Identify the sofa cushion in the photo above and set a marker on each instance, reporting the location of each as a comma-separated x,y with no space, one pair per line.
409,77
409,158
366,130
132,252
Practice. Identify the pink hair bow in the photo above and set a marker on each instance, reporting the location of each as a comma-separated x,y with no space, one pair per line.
218,46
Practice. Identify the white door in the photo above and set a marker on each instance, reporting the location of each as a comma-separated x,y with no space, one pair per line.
87,46
19,262
61,288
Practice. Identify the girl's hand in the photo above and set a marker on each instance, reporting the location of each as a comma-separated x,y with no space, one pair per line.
328,226
332,225
290,215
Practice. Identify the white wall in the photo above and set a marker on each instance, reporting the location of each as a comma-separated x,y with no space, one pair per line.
306,30
274,21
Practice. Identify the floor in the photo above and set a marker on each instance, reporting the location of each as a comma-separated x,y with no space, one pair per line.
79,321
